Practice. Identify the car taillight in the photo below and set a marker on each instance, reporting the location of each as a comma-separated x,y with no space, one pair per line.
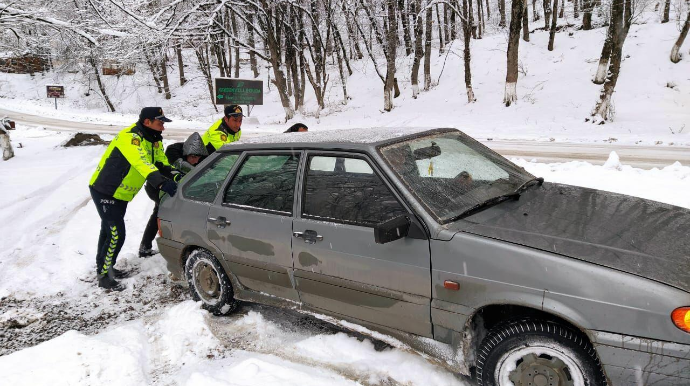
160,232
681,318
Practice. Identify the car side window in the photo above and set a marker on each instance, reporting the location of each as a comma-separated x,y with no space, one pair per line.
264,182
207,183
347,190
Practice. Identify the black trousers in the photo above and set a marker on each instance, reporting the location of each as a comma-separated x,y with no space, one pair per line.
152,226
112,236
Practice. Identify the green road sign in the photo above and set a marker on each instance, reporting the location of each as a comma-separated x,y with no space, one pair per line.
239,91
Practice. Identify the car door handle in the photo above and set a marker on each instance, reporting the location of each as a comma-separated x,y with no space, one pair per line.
220,222
309,236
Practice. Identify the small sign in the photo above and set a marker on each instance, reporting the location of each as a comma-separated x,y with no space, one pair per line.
55,91
239,92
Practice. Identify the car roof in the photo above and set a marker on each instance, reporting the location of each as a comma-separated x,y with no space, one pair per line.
352,139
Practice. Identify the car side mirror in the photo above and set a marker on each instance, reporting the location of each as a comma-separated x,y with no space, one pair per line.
391,230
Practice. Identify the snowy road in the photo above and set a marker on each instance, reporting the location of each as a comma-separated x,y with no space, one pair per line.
639,156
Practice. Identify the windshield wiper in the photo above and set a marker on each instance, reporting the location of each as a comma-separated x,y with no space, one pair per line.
526,184
496,200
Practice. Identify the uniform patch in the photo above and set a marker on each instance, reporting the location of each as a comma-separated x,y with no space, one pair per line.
223,137
156,145
136,142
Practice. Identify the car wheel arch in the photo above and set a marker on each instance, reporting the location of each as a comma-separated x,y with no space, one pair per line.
488,317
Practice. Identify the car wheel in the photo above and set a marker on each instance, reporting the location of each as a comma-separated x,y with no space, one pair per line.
209,283
537,353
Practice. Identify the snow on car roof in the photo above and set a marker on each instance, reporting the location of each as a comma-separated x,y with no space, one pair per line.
362,136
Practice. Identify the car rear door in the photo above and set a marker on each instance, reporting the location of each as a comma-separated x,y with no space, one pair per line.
251,222
338,266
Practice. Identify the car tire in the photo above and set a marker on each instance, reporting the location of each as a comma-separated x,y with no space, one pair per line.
209,283
534,352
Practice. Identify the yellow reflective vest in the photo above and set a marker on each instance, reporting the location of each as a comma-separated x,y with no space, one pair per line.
218,135
130,160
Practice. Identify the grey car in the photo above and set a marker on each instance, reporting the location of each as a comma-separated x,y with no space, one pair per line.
428,235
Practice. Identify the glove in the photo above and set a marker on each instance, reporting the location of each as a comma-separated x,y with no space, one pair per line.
169,187
177,175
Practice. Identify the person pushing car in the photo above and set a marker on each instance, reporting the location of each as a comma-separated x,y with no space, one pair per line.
133,157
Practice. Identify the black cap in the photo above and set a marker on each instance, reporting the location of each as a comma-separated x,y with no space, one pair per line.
153,113
233,110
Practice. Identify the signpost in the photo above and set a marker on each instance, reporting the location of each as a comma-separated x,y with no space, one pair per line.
239,92
56,92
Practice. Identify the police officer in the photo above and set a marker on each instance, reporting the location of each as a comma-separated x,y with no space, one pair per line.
134,156
225,130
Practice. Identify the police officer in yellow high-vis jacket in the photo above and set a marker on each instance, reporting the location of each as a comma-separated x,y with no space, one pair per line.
225,130
134,156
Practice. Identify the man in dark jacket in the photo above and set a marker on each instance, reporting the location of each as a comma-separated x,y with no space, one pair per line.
183,157
133,157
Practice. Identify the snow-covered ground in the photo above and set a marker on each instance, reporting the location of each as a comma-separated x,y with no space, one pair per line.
152,333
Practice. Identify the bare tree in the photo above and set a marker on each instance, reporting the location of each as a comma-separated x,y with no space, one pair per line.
675,52
547,13
554,22
525,23
512,54
392,40
180,63
621,16
667,11
418,49
587,6
405,21
466,32
427,47
502,11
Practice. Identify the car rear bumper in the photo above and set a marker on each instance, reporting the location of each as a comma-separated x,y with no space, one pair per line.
631,360
172,252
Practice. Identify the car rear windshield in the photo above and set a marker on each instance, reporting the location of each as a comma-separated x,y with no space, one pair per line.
451,173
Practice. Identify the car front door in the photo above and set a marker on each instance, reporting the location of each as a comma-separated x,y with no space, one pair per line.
338,266
251,222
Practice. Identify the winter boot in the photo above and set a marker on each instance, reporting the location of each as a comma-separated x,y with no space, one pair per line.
109,283
120,274
146,252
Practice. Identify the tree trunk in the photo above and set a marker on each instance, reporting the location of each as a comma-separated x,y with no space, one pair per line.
618,35
480,19
180,64
502,10
513,44
466,9
233,21
100,85
554,22
675,52
392,39
470,15
427,47
453,30
488,11
525,23
587,6
204,60
547,13
440,31
667,11
251,44
153,70
272,43
604,58
446,25
535,14
418,48
561,12
164,76
405,19
576,9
